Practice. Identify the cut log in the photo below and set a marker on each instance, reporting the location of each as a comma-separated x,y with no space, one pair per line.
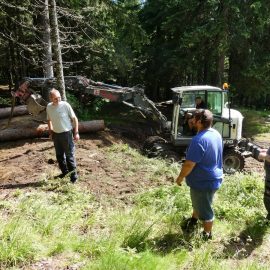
93,126
18,110
31,131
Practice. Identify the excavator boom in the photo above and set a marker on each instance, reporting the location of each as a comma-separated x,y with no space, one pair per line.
133,97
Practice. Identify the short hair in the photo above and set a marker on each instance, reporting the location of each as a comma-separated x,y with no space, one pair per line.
205,116
54,91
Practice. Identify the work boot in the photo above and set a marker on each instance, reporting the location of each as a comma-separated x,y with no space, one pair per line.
74,180
74,177
206,236
61,175
189,224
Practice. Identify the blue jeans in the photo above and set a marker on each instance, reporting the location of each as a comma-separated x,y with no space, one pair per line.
65,153
202,203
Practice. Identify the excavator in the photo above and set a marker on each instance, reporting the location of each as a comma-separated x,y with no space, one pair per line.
172,137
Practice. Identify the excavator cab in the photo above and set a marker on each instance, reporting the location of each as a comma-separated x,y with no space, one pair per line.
214,99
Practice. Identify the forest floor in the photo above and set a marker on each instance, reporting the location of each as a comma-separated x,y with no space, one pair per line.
27,163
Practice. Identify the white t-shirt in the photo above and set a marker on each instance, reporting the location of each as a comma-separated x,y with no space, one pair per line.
61,116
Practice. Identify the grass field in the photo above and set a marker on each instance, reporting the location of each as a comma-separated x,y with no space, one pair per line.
64,225
58,225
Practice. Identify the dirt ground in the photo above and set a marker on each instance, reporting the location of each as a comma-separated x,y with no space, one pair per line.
26,163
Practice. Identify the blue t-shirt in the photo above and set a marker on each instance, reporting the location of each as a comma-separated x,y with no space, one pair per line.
206,150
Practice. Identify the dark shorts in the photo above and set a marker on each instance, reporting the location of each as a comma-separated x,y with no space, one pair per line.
202,203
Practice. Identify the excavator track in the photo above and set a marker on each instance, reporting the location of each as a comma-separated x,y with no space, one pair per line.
156,146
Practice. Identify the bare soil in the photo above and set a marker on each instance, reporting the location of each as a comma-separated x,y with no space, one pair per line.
26,163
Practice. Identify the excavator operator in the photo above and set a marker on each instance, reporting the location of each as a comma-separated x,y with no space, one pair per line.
200,104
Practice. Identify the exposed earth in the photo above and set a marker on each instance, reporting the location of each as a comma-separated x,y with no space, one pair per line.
27,163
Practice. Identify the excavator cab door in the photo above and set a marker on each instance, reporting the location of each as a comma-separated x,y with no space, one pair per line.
178,137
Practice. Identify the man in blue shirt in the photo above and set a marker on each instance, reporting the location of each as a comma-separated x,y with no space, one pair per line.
203,170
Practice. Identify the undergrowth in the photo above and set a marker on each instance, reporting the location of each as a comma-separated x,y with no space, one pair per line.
255,122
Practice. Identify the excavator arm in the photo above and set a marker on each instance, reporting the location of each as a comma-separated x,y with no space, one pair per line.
133,97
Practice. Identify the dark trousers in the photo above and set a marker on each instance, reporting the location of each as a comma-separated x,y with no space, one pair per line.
266,197
65,153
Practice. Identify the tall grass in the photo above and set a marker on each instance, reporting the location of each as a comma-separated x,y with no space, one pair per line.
18,243
68,226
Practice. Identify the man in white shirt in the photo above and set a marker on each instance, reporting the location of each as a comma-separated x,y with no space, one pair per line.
63,128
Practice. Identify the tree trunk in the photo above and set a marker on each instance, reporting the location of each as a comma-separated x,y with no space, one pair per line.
223,45
20,40
220,69
57,49
47,64
18,133
47,47
13,59
18,110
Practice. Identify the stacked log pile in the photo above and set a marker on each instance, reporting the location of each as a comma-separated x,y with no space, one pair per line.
23,127
18,110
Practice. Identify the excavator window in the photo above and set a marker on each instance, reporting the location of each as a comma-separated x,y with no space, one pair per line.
214,102
190,98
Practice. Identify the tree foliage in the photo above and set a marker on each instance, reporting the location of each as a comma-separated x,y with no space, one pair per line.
156,43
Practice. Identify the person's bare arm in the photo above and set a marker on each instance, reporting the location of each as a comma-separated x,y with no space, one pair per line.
76,128
263,155
50,127
185,171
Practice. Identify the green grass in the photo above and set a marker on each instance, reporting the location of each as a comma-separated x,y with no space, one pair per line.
255,122
66,224
5,101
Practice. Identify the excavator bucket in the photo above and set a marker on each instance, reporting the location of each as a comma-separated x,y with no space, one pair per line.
36,104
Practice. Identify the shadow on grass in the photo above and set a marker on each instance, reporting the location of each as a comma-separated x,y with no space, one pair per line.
171,242
23,185
242,245
180,239
163,245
